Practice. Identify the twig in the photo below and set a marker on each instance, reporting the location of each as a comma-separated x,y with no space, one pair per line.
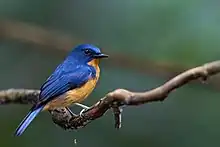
114,100
117,115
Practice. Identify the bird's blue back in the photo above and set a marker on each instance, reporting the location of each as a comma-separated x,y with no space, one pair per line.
68,75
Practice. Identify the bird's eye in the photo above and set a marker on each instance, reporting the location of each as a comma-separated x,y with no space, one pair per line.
87,51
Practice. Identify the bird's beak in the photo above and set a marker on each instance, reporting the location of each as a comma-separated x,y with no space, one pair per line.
100,56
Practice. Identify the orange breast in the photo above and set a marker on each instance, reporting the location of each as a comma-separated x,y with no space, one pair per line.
76,95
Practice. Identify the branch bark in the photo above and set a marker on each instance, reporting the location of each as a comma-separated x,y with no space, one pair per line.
113,100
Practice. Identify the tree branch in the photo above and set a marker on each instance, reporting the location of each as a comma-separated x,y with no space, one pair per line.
115,99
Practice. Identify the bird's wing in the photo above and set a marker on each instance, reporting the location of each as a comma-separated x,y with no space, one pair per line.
58,85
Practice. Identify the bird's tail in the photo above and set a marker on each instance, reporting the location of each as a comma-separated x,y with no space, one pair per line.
27,120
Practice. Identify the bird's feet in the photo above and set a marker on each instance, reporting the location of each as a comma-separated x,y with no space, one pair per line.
84,108
71,113
81,105
81,112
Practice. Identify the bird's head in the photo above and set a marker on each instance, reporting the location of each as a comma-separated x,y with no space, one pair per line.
86,53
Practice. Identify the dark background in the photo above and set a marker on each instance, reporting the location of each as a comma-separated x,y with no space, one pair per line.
157,40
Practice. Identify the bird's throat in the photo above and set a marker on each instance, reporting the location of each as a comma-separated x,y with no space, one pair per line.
94,62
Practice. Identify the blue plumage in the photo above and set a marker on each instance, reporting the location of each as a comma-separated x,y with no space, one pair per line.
73,73
27,120
59,84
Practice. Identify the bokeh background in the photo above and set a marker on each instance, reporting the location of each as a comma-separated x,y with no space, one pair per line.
149,41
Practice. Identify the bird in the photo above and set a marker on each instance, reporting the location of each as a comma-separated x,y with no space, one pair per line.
71,83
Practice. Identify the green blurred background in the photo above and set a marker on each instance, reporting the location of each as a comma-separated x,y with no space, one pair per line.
174,33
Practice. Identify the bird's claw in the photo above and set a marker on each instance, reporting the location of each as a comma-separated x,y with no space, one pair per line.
82,111
82,106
